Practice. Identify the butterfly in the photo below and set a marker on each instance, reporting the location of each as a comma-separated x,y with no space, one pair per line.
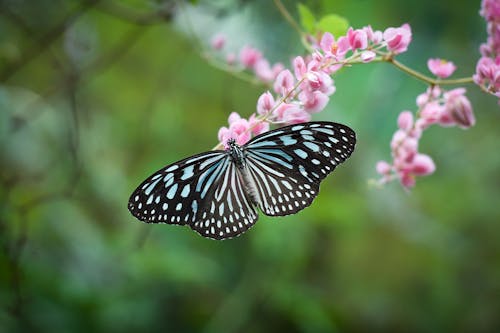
217,193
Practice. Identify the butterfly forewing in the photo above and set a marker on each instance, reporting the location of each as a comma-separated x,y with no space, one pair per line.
174,193
287,165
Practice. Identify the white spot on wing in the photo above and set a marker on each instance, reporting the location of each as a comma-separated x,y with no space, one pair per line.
171,191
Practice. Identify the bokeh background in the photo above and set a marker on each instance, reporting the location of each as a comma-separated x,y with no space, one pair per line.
96,95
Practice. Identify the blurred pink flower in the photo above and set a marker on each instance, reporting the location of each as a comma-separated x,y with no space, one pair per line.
367,56
430,113
299,67
422,165
357,39
263,70
441,68
257,126
276,69
488,67
239,129
284,82
218,41
459,108
490,10
383,168
373,36
249,56
336,49
291,114
405,120
265,103
398,39
319,81
314,101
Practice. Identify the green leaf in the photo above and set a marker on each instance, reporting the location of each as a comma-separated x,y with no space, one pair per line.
335,24
307,19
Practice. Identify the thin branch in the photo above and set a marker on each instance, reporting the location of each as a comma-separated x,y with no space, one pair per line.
425,78
239,74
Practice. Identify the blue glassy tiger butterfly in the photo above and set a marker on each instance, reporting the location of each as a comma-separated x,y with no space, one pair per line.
217,193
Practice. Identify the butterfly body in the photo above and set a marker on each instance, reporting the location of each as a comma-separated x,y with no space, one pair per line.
237,154
216,193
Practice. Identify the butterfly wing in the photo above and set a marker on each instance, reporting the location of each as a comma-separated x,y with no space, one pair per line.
286,166
203,191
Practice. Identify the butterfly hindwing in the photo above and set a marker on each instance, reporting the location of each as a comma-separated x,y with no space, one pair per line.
229,210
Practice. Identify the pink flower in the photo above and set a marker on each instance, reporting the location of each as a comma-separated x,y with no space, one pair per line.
488,67
405,121
284,82
224,135
265,103
430,93
233,117
336,49
299,67
357,39
373,36
258,126
291,114
218,41
398,39
407,179
441,68
276,69
431,113
459,108
263,70
422,165
239,129
397,138
367,56
486,71
296,116
490,10
314,101
383,168
249,56
318,81
327,43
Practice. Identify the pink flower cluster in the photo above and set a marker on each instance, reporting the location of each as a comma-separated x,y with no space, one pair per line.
249,58
444,108
296,97
241,129
308,89
487,73
364,43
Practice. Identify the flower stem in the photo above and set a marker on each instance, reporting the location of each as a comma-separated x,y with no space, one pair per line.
423,77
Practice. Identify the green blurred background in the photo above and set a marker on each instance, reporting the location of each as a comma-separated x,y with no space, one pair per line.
96,95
